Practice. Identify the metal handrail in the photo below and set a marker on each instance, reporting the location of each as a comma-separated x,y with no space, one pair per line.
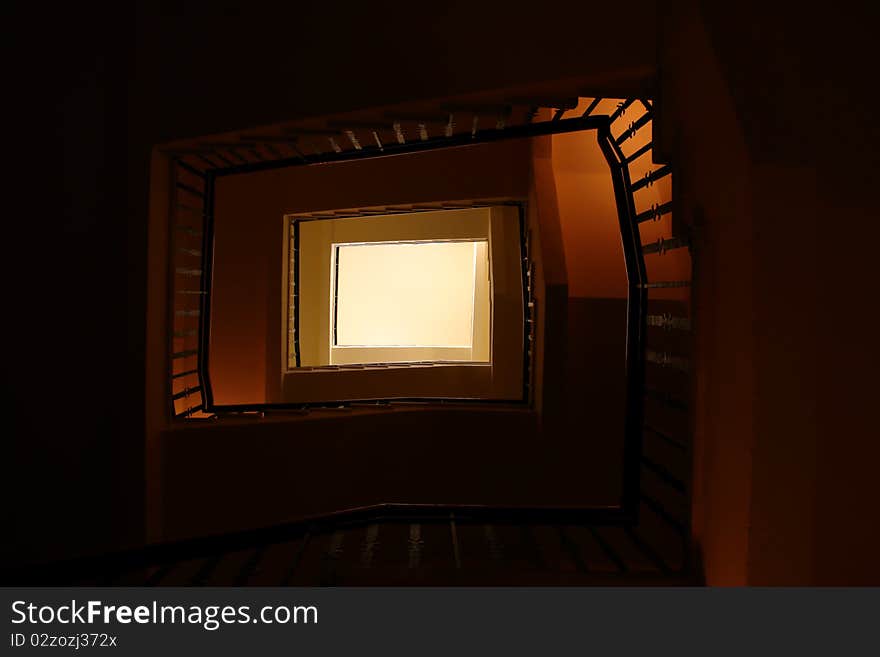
632,497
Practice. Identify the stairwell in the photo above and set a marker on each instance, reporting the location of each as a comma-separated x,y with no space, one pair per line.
465,545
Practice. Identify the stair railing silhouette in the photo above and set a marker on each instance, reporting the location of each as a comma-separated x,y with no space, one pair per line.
663,459
657,459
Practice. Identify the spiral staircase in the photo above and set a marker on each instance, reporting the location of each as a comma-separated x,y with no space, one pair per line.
415,544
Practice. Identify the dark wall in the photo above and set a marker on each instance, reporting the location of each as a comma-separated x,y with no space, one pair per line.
776,153
595,390
259,474
220,64
73,367
802,86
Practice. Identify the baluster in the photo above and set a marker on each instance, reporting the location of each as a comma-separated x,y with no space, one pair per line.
398,132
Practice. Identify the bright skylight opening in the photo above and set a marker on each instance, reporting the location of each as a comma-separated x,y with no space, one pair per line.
406,294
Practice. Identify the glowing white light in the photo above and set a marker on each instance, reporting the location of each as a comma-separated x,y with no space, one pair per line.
406,294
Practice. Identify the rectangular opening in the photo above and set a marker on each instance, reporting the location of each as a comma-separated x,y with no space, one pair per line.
424,300
423,303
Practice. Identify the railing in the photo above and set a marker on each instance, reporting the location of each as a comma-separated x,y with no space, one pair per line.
657,431
188,284
193,212
657,465
389,544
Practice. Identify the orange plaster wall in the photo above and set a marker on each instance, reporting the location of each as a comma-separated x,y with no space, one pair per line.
588,212
551,285
588,216
594,324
